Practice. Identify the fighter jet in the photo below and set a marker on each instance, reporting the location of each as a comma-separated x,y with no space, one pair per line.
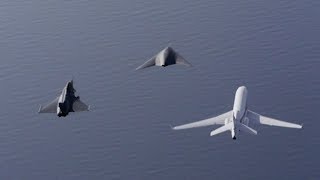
65,103
165,58
238,119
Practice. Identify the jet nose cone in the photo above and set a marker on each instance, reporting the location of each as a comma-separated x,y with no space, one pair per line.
70,84
168,48
242,88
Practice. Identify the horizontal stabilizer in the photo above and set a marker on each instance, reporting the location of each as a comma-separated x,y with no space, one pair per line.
247,129
222,129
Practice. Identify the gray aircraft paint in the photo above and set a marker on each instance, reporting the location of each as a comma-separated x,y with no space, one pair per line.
64,104
164,58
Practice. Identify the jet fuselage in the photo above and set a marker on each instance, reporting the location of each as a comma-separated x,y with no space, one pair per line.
166,57
239,108
66,100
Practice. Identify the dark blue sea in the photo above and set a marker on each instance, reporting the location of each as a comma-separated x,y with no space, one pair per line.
272,47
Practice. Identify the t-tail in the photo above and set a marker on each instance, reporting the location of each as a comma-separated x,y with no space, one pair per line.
228,127
234,128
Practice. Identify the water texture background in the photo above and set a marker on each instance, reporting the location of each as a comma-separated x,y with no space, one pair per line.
272,47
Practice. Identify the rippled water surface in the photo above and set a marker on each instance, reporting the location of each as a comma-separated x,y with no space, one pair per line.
272,47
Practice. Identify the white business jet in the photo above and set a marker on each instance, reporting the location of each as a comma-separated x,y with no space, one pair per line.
238,119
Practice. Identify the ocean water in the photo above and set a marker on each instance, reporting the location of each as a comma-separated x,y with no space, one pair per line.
272,47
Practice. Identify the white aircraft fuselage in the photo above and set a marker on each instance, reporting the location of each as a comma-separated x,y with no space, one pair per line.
239,109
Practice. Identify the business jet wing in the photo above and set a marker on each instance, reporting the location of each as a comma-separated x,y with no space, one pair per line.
149,63
259,119
79,106
50,107
207,122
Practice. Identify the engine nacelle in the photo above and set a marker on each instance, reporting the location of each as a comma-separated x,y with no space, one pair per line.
227,120
245,121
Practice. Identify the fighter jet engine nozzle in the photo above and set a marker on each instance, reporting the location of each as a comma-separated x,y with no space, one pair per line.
62,110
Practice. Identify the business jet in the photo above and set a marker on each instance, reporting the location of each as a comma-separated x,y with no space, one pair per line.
238,119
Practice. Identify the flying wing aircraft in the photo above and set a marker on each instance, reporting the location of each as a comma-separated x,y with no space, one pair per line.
165,58
65,103
238,119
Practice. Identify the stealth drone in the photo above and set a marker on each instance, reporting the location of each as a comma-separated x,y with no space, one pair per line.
164,58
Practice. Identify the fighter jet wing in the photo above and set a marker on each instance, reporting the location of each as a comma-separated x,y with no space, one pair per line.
79,106
207,122
259,119
149,63
181,60
49,108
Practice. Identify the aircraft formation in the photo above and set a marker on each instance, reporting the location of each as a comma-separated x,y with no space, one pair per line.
239,119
